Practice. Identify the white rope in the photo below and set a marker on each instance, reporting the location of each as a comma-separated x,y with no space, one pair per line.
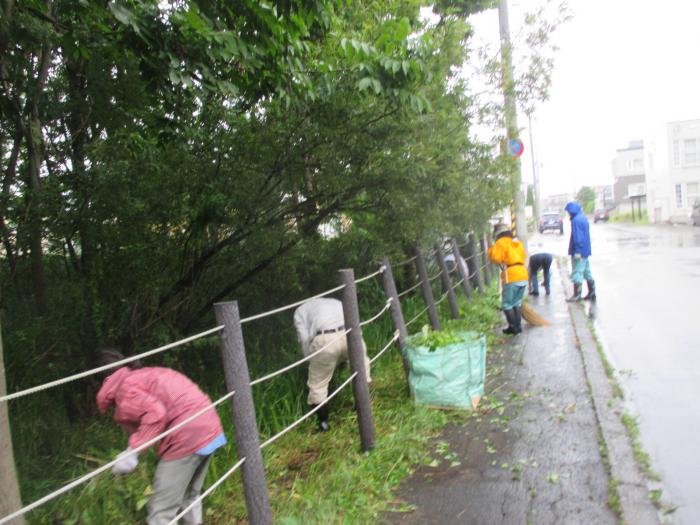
435,276
457,283
308,414
372,319
407,261
101,469
381,270
297,363
109,366
204,494
441,298
416,317
409,290
283,308
379,354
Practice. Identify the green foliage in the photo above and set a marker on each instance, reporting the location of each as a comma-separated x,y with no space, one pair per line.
435,339
586,197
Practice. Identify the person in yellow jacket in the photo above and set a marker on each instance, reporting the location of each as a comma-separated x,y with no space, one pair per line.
509,254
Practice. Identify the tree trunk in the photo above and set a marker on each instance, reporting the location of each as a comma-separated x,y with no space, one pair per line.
10,499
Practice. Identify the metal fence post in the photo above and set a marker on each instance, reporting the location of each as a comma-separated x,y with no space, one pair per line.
356,356
485,261
427,291
463,271
247,437
447,282
475,266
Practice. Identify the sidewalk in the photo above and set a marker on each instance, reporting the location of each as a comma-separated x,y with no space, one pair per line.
532,451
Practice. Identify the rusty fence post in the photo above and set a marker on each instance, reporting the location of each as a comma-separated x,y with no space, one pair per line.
356,355
446,281
463,270
243,410
427,291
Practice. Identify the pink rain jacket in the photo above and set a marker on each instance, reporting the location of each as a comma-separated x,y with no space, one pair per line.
149,401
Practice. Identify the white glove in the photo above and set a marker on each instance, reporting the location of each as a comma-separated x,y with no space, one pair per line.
126,464
577,256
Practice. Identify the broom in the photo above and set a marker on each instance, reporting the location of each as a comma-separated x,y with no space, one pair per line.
532,317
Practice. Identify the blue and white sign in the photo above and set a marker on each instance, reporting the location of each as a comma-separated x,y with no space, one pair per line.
515,147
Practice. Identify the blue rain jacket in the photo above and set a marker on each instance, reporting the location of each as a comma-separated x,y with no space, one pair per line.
580,240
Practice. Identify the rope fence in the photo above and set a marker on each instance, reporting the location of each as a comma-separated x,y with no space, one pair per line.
403,263
229,340
300,361
418,316
431,279
110,366
211,489
109,465
388,345
387,305
409,290
367,277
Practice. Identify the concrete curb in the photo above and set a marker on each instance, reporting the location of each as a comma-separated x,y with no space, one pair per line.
635,505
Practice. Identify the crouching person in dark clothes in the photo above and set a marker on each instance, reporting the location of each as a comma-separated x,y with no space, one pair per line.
320,324
540,261
147,402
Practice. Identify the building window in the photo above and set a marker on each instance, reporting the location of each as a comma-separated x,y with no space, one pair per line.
679,196
690,152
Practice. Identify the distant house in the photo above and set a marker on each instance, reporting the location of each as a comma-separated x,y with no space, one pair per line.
556,203
673,170
603,197
628,170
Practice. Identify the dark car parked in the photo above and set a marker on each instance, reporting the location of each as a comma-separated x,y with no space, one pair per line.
551,221
601,215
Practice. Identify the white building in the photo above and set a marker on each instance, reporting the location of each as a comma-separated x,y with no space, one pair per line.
673,170
629,177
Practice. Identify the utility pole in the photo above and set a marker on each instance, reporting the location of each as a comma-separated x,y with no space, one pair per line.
511,117
535,175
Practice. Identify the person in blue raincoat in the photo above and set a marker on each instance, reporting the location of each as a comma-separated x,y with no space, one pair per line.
580,252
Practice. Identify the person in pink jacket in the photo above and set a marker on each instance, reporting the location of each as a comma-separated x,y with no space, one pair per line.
147,402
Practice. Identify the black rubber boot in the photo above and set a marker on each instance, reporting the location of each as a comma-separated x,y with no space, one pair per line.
577,294
591,290
322,418
510,317
518,319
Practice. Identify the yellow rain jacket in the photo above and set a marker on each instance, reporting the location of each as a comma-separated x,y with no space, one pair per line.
510,255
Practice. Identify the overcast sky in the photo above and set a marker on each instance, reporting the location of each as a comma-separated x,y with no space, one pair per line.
623,68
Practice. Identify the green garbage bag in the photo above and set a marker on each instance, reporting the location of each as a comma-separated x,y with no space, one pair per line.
450,376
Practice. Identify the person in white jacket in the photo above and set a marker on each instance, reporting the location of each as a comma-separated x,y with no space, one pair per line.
320,324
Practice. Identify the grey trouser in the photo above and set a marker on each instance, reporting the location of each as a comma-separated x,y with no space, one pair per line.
176,484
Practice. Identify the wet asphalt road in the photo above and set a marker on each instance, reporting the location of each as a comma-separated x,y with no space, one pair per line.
648,319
